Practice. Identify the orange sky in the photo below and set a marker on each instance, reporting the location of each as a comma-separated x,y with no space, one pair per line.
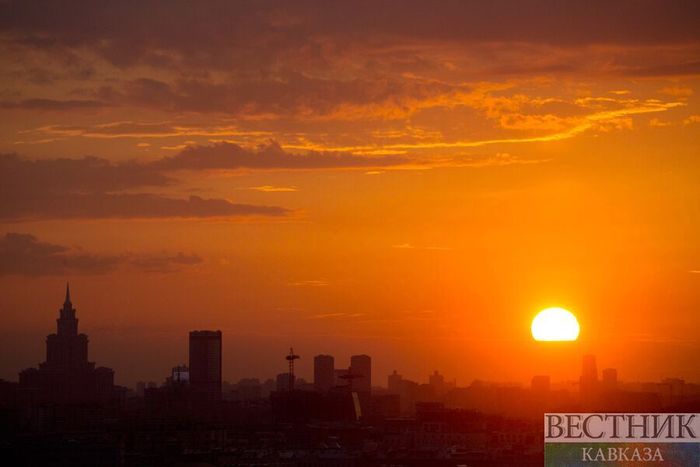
409,182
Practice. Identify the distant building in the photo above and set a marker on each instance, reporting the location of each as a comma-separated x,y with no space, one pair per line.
361,365
67,376
180,375
283,381
589,378
205,364
394,383
609,380
437,383
324,376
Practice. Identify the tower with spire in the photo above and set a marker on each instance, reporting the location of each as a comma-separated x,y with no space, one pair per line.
67,376
66,348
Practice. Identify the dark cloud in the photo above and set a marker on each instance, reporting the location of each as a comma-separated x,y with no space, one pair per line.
269,156
164,262
127,206
676,69
215,32
24,254
93,188
315,58
52,104
25,178
289,93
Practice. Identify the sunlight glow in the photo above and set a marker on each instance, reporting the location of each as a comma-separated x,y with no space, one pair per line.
555,324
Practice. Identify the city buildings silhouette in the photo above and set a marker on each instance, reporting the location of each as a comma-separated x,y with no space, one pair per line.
67,376
205,349
338,419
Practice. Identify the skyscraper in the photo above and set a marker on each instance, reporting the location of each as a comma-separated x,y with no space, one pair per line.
67,376
394,383
324,376
361,365
609,379
589,377
205,364
437,382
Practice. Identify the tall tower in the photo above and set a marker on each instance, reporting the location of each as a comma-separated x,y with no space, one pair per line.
67,376
361,365
205,364
394,383
589,377
66,348
67,323
324,368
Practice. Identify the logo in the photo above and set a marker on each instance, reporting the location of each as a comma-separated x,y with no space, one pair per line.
619,439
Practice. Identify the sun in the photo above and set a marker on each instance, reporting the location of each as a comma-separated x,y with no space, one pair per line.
555,324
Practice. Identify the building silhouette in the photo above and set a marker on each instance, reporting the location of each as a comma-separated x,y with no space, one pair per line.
67,377
589,384
205,364
324,372
361,367
609,379
394,383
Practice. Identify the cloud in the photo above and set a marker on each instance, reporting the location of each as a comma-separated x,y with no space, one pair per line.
285,94
164,262
273,189
309,283
128,206
269,156
24,254
409,246
93,188
24,177
166,34
673,69
52,104
335,315
131,129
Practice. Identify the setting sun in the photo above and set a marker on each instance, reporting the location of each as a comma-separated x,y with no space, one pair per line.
555,324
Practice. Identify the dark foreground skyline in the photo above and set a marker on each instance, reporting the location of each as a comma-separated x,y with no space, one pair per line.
380,177
72,414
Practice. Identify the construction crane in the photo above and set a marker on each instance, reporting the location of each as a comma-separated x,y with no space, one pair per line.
290,358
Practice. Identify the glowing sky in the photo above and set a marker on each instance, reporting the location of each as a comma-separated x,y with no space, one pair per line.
404,179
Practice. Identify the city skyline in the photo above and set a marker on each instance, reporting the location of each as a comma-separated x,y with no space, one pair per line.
358,234
407,182
210,364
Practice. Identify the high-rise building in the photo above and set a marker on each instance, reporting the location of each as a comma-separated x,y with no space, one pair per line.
361,366
67,376
324,376
205,364
394,383
589,377
437,383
